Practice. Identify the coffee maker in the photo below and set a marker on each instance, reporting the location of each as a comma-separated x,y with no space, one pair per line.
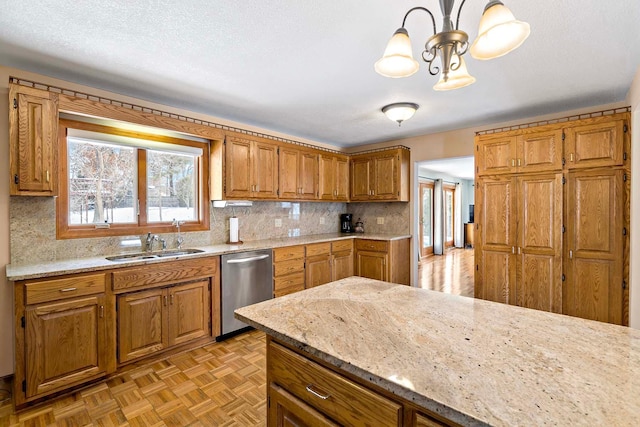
345,223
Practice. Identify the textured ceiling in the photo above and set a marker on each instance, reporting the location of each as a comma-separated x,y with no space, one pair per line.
305,68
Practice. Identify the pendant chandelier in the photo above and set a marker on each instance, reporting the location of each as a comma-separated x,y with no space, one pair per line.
499,34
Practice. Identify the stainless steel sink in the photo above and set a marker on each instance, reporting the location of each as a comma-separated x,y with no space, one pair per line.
178,252
142,256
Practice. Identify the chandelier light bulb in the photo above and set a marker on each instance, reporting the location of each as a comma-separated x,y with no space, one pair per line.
499,33
457,79
397,60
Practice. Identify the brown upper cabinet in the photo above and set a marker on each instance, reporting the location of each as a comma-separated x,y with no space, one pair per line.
585,143
380,176
298,173
598,142
529,150
33,135
333,179
250,168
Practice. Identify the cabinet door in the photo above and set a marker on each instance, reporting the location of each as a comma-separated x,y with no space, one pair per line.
342,265
342,178
33,128
495,154
360,170
595,145
385,177
372,265
65,343
264,158
539,253
238,168
540,150
326,177
594,240
288,176
308,176
496,267
317,270
189,312
286,410
142,324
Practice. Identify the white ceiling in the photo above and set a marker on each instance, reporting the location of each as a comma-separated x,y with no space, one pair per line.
306,67
460,167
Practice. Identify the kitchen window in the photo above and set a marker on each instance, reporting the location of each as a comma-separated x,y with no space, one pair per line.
116,182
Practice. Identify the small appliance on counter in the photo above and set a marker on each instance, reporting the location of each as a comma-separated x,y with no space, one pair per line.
345,223
359,228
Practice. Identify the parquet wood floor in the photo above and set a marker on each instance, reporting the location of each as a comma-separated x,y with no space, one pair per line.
220,384
450,273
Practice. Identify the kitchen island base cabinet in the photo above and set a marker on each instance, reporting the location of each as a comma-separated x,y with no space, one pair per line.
305,392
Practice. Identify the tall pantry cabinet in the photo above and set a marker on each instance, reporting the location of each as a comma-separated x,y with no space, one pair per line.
552,217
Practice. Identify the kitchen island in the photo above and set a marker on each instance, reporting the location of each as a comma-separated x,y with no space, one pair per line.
444,359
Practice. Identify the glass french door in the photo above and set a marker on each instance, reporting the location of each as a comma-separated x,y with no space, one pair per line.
449,215
426,218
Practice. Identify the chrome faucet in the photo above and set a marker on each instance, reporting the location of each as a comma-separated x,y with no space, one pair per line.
150,240
180,239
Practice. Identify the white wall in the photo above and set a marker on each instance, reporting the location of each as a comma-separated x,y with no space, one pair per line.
633,99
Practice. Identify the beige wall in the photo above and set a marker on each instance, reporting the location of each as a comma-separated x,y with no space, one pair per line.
6,291
459,143
41,242
633,99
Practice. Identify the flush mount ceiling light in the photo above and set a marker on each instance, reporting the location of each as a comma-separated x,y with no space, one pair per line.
499,34
400,111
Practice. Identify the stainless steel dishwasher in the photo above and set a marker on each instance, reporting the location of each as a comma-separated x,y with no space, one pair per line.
247,278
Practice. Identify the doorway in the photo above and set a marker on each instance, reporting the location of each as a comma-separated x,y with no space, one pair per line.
440,220
426,218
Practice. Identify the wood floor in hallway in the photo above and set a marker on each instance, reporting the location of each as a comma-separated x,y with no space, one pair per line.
450,273
220,384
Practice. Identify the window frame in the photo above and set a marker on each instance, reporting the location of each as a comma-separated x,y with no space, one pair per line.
66,231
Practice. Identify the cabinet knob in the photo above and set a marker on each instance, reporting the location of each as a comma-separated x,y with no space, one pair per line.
68,289
47,176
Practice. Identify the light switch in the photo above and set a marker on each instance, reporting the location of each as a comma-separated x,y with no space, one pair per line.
380,220
278,222
321,220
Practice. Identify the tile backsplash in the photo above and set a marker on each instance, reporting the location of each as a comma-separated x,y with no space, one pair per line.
33,226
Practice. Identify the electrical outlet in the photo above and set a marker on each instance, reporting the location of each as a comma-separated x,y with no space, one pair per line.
321,220
380,220
278,222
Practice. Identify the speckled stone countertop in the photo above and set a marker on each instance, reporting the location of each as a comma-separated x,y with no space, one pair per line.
475,362
81,265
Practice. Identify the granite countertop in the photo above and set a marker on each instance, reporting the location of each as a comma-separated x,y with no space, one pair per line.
475,362
82,265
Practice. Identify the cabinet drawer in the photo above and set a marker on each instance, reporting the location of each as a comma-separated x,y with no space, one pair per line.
67,287
341,399
372,245
342,245
288,285
152,275
288,252
288,267
295,281
318,249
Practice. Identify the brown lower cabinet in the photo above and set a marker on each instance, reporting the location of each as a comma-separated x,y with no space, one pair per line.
69,332
386,260
305,392
151,321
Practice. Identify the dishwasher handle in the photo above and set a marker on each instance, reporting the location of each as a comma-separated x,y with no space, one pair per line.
250,259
